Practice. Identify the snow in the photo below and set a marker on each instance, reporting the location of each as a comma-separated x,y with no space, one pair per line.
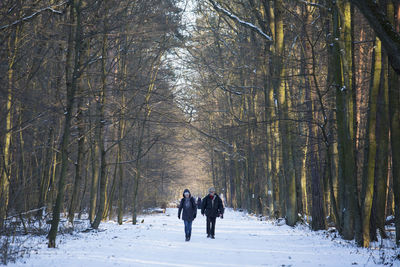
49,8
245,23
241,240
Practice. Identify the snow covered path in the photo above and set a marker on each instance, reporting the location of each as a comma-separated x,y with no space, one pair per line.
159,241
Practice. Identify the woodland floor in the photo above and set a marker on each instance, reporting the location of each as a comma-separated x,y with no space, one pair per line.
241,240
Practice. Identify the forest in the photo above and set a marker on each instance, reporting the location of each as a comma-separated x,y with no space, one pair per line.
290,108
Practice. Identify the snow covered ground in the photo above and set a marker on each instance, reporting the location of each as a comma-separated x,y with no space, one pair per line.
240,241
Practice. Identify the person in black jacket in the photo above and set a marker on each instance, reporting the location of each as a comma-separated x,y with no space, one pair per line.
199,203
212,207
188,205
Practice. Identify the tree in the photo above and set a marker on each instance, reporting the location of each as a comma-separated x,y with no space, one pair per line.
385,30
72,74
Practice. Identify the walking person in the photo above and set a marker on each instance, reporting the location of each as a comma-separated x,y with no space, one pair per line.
212,207
188,205
199,203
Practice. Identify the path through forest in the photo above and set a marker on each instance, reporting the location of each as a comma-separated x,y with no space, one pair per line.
240,241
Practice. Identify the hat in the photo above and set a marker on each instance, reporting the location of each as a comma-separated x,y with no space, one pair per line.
211,189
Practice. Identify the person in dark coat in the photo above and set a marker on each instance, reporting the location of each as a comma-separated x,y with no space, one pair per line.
212,207
199,203
189,208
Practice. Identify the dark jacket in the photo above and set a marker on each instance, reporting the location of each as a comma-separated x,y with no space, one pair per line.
209,209
199,203
189,213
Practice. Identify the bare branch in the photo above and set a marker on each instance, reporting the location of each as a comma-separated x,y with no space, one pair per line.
49,8
246,24
312,4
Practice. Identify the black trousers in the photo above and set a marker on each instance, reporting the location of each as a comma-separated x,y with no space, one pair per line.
211,225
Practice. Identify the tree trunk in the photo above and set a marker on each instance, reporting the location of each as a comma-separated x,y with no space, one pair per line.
387,33
344,127
71,81
394,107
100,132
394,112
368,183
95,178
46,178
284,125
80,156
381,173
5,176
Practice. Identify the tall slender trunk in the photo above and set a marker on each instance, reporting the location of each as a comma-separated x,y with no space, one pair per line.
153,76
394,112
95,175
368,183
304,178
284,124
278,199
232,188
268,116
237,178
348,190
108,210
46,178
100,125
121,134
138,171
311,86
80,156
71,81
121,178
394,107
5,175
21,167
318,212
382,146
378,211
